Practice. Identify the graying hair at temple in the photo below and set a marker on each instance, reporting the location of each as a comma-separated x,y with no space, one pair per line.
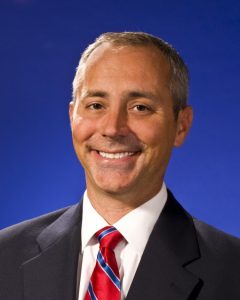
178,84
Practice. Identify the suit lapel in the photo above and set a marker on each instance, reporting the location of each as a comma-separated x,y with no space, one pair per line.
53,273
171,247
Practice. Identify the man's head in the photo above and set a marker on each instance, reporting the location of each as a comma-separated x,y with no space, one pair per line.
122,118
178,83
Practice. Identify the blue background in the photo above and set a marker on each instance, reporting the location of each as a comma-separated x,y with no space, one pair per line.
40,45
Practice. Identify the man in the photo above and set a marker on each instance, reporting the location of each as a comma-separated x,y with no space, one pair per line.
129,110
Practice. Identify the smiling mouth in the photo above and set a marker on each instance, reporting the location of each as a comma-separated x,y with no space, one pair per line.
117,155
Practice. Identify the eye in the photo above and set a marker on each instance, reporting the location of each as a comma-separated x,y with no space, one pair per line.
95,106
141,107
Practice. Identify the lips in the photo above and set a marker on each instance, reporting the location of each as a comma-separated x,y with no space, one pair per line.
117,155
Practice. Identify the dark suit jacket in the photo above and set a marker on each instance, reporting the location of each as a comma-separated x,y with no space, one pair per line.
184,259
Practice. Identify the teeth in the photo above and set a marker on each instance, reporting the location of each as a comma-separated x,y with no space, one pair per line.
115,155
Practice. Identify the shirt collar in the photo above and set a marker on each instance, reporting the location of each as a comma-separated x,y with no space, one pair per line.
91,221
142,220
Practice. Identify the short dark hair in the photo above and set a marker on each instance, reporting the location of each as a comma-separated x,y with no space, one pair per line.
179,79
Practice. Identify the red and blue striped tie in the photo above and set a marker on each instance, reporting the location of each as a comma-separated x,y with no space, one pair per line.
105,280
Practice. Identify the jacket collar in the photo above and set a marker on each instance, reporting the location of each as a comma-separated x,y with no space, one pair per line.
172,245
53,273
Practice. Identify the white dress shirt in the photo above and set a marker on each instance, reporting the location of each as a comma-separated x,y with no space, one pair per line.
135,227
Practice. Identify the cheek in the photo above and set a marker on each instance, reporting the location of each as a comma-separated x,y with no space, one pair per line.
150,133
157,137
82,129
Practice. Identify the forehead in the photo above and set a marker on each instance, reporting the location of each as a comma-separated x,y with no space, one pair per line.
142,60
107,50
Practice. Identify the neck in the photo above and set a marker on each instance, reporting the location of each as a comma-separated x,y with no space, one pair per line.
111,213
112,206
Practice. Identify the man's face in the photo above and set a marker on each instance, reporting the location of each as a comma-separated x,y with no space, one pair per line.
123,126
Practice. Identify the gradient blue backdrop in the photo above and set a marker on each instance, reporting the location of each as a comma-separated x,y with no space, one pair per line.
40,45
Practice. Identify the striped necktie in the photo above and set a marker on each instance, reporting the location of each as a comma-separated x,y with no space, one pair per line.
105,280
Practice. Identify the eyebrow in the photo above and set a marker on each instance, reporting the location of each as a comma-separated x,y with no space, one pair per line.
141,94
95,93
127,95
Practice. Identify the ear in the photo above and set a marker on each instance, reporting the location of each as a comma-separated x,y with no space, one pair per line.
184,122
71,109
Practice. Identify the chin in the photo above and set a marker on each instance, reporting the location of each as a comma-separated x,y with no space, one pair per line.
114,188
112,182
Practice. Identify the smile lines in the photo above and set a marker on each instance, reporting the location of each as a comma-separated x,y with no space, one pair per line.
115,155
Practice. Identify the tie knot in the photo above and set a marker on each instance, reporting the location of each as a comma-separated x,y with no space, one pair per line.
108,237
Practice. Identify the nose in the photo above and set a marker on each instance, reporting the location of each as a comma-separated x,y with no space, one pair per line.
115,123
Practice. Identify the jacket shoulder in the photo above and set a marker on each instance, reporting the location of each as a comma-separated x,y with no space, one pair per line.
22,236
18,244
219,263
217,240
